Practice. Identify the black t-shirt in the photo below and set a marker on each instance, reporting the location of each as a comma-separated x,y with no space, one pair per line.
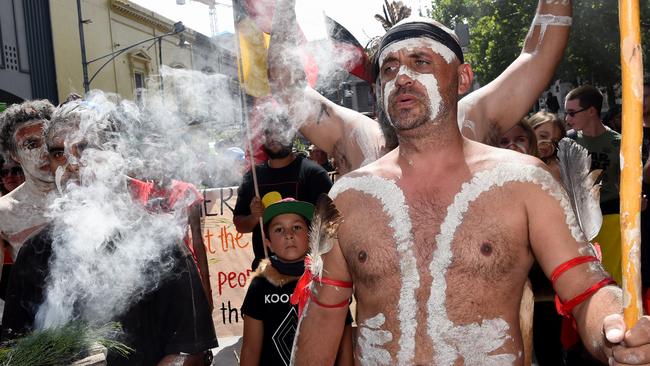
173,318
271,305
303,180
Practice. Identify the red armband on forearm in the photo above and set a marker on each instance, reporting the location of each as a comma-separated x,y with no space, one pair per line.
565,308
302,292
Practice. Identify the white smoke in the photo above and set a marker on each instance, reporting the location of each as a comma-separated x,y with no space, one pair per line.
109,250
313,47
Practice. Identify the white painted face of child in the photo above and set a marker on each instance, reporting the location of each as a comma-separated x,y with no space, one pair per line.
31,152
288,237
411,93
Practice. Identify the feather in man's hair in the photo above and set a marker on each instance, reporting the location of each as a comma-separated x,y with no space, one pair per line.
581,186
324,230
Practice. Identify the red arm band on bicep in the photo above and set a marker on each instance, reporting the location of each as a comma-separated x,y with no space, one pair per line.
559,270
565,308
302,292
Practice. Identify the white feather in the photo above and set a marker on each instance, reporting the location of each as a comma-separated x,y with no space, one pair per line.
581,186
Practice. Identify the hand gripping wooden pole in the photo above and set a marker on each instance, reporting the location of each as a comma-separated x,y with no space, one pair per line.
632,75
247,123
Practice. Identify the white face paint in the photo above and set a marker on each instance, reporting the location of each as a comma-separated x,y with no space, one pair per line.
394,205
58,178
428,81
31,151
412,44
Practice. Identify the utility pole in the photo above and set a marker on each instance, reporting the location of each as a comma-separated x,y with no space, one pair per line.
82,43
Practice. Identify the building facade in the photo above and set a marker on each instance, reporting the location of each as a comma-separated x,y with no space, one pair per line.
112,26
41,52
27,68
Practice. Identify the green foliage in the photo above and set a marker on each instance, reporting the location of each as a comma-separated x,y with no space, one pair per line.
498,28
299,147
60,346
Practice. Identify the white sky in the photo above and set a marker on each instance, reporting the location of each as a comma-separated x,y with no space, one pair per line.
355,15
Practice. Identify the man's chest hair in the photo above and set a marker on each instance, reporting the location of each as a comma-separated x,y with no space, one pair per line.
485,243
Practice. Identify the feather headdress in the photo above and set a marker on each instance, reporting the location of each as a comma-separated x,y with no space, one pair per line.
580,184
324,231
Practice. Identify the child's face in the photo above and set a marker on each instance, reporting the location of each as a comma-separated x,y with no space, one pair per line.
288,237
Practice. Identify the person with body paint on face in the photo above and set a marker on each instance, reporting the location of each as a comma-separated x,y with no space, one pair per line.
354,140
21,142
270,320
435,260
285,172
165,323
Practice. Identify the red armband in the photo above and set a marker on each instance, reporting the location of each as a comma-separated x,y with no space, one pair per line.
570,264
565,308
302,292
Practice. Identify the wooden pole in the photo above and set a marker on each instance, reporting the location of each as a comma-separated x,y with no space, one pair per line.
631,169
249,131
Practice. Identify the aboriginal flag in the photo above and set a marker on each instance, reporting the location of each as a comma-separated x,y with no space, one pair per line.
253,23
359,64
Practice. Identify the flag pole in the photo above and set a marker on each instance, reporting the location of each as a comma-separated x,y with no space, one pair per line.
631,169
246,119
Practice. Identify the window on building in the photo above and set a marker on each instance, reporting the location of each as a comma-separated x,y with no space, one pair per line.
139,80
140,65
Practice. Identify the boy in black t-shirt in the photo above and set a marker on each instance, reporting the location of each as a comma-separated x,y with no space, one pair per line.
270,320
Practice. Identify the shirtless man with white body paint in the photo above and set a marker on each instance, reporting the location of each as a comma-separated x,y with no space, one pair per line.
456,226
21,139
355,140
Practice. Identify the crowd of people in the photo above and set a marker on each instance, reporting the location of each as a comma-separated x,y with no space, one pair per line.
433,228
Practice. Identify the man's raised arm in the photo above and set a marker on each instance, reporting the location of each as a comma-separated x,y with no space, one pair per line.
500,104
350,137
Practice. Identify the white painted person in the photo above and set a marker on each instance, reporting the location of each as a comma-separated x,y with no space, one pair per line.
354,140
456,226
21,140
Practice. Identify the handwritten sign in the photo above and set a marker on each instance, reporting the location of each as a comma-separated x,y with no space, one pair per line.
230,255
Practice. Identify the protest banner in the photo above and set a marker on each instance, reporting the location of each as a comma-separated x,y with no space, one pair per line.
230,255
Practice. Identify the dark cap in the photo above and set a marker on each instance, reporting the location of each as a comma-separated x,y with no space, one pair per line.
289,205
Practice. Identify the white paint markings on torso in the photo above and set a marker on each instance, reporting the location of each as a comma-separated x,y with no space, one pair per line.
449,340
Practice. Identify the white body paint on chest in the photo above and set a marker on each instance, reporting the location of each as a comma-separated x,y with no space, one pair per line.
371,341
394,205
450,340
22,215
